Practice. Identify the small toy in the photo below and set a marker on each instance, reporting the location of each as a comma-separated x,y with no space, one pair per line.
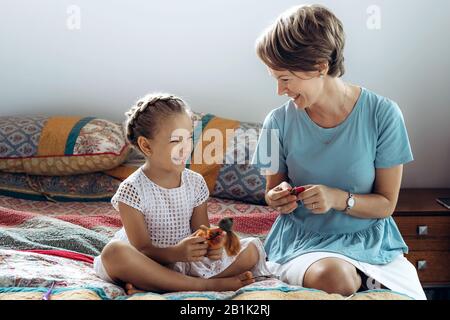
222,236
297,190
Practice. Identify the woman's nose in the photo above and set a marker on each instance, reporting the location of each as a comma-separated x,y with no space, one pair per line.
281,89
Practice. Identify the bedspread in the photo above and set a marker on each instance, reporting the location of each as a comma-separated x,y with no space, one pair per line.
42,243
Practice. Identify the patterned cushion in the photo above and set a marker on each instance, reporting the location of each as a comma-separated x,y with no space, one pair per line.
238,179
60,145
83,187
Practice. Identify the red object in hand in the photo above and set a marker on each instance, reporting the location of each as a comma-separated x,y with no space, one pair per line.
297,190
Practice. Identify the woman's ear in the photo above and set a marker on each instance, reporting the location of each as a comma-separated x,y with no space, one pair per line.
322,68
144,145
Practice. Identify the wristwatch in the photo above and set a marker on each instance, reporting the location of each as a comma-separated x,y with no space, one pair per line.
350,201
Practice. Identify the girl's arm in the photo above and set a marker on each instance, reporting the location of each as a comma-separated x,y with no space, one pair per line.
199,217
136,229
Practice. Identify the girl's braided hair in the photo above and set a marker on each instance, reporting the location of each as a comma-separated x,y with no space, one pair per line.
148,114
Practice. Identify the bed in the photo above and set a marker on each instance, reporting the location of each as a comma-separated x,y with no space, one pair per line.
45,243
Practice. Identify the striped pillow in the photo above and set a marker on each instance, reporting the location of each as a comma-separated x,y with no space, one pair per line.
42,145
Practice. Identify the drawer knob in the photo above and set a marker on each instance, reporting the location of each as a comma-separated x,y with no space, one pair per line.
421,264
422,230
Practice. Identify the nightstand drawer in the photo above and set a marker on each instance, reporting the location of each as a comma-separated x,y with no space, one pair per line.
432,226
432,267
427,243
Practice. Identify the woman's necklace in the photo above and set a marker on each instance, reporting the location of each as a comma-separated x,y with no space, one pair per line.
328,141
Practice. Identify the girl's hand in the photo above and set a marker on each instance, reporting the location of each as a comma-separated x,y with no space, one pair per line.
190,249
215,254
280,198
318,199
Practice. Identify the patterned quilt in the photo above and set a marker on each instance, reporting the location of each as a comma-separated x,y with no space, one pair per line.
45,243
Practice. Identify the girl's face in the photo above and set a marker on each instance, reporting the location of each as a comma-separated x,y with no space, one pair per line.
303,88
171,147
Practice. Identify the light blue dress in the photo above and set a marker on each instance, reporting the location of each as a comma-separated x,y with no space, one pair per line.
373,136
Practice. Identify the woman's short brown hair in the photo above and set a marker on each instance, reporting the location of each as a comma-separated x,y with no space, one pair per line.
301,38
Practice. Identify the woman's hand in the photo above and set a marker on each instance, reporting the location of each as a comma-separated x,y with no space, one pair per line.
319,199
280,198
190,249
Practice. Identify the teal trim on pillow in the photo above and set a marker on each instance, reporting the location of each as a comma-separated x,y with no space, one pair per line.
74,133
198,133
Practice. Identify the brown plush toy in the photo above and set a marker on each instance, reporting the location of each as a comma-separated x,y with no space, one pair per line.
222,236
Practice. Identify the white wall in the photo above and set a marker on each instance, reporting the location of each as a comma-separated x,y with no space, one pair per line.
203,50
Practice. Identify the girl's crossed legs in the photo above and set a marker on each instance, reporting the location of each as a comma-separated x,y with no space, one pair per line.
124,263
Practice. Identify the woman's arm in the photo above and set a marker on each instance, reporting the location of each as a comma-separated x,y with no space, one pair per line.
382,202
273,180
379,204
278,193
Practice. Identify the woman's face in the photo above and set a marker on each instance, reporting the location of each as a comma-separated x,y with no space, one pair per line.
303,87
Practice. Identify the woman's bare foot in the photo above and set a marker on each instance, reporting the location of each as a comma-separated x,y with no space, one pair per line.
230,283
130,289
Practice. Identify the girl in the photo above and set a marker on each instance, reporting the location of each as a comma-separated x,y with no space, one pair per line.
161,206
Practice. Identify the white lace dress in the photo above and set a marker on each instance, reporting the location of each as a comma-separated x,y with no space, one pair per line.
167,213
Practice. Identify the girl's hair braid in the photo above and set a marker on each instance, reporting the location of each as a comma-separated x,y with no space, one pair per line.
149,112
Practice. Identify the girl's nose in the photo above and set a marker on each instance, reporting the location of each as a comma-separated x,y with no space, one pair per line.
186,149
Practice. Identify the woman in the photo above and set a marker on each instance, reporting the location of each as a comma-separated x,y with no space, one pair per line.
346,145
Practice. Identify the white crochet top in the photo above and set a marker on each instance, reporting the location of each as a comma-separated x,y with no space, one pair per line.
167,212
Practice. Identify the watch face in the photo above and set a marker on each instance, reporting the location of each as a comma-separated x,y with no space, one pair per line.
351,202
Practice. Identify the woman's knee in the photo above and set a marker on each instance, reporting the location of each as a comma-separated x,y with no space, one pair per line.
333,276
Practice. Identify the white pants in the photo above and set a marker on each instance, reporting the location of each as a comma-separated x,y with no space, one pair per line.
398,275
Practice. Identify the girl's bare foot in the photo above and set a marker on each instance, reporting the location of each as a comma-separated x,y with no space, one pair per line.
130,289
230,283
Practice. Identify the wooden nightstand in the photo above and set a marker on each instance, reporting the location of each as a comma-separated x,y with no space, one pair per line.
425,227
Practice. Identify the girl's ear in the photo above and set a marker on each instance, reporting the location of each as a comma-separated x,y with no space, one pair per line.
144,145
